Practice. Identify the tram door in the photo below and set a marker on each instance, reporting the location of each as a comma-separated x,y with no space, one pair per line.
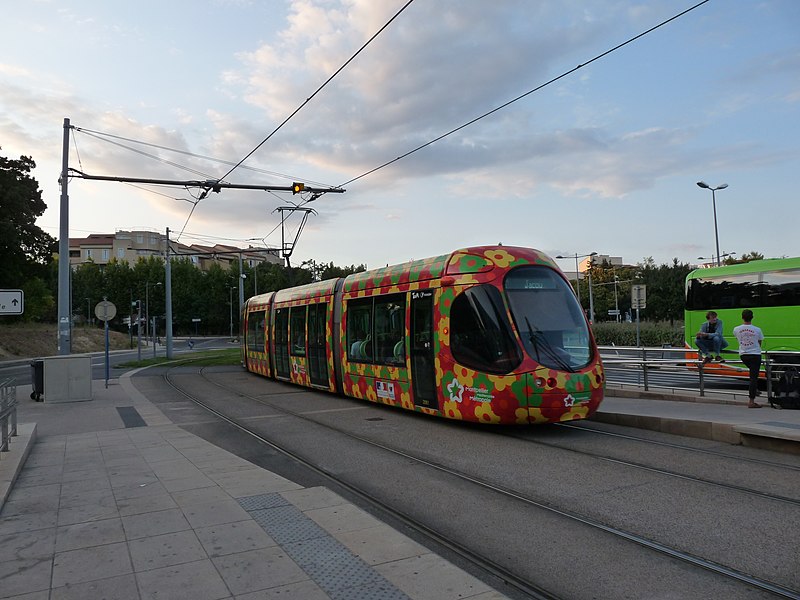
317,358
282,343
423,368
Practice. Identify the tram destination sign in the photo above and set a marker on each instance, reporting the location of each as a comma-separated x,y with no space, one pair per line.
12,302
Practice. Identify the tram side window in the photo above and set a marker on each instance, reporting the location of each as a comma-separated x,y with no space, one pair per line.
390,326
359,330
297,330
481,335
255,331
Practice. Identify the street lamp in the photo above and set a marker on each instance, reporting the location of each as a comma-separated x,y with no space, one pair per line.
715,258
578,279
721,186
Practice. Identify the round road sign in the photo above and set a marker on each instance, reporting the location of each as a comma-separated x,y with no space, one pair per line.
105,310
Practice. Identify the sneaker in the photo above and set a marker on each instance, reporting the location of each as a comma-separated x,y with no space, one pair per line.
718,358
706,360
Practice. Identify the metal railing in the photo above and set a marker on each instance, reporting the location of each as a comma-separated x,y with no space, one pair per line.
680,370
8,412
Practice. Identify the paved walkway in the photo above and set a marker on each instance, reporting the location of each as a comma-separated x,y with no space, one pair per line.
101,510
109,499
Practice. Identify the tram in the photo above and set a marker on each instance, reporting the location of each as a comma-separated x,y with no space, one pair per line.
489,334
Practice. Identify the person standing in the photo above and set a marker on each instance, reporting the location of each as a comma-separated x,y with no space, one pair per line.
750,338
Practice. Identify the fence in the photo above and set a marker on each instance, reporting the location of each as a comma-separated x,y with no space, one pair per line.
680,370
8,412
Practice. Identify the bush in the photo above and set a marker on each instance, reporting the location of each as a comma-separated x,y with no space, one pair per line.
651,334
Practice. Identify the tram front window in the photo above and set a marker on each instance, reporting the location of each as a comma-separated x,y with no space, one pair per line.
481,336
549,318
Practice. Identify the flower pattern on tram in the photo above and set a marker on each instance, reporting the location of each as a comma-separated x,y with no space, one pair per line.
464,375
451,410
499,257
529,394
485,414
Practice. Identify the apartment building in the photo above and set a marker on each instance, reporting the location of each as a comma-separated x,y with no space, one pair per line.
131,245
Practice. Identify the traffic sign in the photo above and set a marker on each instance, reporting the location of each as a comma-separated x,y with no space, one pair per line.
12,302
639,296
613,312
105,310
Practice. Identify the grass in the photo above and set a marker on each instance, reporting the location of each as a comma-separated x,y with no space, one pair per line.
206,358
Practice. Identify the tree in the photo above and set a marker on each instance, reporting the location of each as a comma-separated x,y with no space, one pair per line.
25,249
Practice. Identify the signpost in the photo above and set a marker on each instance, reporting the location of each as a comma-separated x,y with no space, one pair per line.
12,302
105,311
638,301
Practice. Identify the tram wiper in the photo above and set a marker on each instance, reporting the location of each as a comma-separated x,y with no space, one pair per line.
535,336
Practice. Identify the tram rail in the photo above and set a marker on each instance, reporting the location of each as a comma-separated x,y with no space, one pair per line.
487,565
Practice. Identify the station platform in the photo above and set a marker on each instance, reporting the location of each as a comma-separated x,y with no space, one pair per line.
109,499
718,417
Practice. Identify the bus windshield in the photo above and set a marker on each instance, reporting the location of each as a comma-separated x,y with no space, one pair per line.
548,318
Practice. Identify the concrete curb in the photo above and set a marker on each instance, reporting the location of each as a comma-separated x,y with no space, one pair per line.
11,462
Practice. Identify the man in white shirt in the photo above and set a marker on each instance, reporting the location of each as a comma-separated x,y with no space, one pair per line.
750,338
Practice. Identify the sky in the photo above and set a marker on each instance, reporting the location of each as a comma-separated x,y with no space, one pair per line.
604,159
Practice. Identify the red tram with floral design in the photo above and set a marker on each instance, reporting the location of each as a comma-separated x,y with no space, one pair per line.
491,334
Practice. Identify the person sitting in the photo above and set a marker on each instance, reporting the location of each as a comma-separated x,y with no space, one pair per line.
710,340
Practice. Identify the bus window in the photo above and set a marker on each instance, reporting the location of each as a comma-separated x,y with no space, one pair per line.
781,288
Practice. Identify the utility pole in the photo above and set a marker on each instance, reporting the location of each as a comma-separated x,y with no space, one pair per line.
64,316
168,298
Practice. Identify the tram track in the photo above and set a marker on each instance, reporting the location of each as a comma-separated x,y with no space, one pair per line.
693,449
666,472
481,562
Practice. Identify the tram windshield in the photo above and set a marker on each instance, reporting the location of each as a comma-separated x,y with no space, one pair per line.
548,318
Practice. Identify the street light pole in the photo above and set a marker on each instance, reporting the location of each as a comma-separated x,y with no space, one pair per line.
578,280
721,186
230,301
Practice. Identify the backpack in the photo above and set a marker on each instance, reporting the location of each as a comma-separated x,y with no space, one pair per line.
787,390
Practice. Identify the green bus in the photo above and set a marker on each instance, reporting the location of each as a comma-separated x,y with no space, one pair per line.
770,288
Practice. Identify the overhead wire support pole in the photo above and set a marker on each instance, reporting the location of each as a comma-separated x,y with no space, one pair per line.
209,185
288,247
64,313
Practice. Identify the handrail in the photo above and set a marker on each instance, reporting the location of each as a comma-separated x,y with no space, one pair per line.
651,359
8,412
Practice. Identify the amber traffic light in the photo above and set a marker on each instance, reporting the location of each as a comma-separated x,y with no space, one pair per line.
297,187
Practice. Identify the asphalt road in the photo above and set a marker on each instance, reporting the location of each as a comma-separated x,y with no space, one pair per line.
20,369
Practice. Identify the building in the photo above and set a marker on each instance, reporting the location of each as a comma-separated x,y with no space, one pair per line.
131,245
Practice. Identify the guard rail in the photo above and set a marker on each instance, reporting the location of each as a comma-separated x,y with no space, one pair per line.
680,369
8,412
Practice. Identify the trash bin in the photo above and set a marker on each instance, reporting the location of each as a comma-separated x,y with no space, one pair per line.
37,379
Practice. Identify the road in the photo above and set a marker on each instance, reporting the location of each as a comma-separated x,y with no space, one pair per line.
20,369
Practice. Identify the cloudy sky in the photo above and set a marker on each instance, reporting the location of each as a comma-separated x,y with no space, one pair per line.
605,159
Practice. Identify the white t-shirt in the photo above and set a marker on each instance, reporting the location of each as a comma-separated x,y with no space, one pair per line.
749,337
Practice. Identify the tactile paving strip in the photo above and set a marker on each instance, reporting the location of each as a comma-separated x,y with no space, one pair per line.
339,572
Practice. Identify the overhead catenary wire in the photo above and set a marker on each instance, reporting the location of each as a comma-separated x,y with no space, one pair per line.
521,96
101,135
319,89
